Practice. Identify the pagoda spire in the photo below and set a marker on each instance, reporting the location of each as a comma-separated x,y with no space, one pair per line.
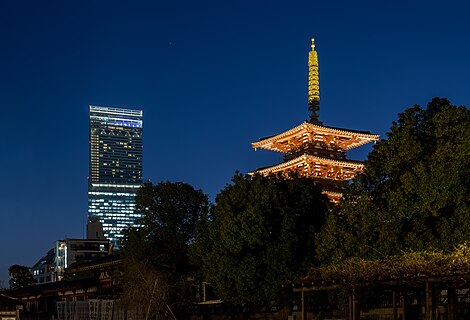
313,85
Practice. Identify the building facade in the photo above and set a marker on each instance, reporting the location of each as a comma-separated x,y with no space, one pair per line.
44,270
70,252
66,253
115,168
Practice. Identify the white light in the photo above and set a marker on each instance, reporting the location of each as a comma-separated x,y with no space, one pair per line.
104,185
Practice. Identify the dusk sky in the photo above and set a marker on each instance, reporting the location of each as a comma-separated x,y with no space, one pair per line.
211,77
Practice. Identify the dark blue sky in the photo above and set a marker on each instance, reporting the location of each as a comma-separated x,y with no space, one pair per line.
211,77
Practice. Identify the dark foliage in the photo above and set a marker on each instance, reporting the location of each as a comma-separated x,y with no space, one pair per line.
156,264
20,277
261,236
414,193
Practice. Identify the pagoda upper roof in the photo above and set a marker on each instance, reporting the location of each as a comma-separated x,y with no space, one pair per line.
317,167
343,139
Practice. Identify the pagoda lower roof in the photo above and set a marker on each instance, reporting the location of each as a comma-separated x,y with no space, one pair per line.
334,197
317,167
337,138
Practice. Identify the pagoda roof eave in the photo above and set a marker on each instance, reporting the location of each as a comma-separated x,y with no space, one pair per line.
366,132
305,158
333,193
334,196
321,128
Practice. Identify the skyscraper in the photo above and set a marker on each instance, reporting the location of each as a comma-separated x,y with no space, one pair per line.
115,167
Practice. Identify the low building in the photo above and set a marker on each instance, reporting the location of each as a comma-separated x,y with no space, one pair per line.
10,308
85,285
69,251
44,270
66,253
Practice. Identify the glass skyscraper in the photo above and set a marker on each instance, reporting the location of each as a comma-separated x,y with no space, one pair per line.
115,168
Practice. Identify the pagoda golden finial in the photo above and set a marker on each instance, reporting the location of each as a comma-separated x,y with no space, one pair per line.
313,80
313,85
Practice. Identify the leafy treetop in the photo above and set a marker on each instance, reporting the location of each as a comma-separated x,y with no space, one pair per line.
156,264
170,213
20,277
414,193
261,236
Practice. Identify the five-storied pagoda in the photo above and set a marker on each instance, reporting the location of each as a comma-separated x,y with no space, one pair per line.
315,150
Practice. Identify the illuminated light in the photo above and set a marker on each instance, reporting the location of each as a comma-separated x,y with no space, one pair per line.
107,185
118,111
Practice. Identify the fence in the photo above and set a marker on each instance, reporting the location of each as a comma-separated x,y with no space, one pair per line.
97,309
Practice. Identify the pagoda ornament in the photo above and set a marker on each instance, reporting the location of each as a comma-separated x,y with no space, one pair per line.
314,150
313,85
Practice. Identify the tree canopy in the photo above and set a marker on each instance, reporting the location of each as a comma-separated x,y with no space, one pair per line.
156,254
414,192
262,235
20,277
171,211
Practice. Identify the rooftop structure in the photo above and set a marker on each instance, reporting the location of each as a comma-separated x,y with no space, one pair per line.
314,150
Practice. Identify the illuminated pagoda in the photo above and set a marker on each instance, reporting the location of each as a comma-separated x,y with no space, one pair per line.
315,150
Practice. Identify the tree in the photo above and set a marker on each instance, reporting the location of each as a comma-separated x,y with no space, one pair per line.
20,277
261,236
149,292
156,264
414,192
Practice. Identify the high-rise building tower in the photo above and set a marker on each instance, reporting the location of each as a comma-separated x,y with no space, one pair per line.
115,168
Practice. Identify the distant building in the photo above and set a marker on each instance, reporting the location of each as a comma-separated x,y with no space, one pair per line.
69,252
94,229
44,270
115,168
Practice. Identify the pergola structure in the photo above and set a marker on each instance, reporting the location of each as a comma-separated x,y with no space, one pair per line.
314,150
424,297
426,285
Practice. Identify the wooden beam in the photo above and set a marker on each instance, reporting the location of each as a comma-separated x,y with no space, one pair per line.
403,305
356,309
350,306
429,302
394,302
451,304
303,317
318,288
